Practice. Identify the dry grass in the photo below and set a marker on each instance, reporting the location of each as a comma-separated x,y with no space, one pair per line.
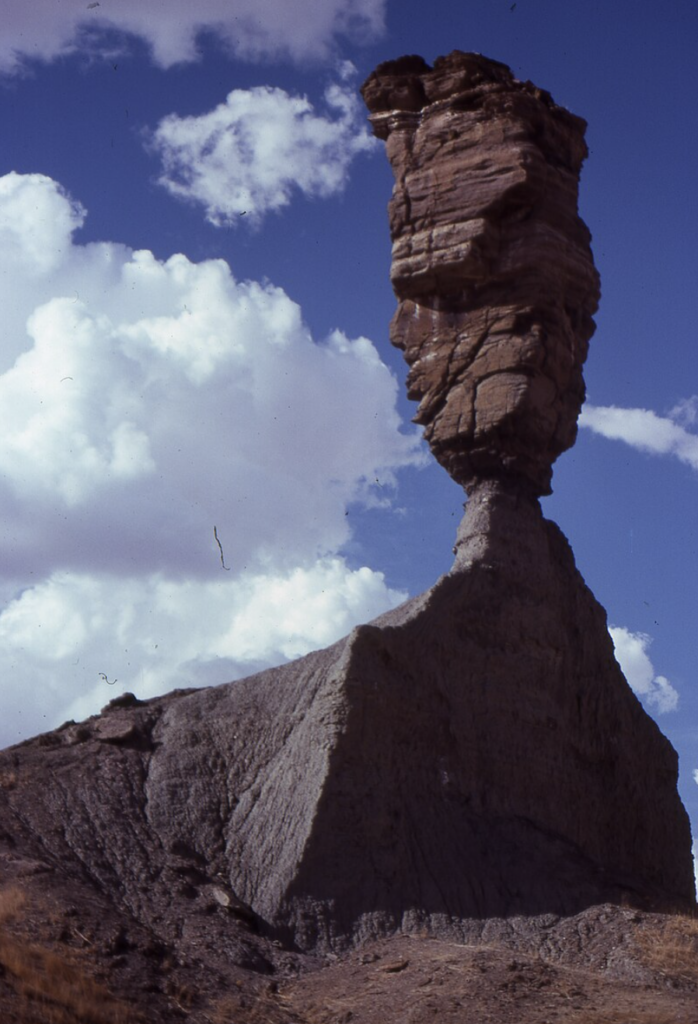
668,947
45,988
672,949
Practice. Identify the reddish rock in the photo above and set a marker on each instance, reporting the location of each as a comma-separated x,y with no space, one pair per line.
491,263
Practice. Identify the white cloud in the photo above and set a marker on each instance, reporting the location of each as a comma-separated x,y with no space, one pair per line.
36,217
252,29
695,776
644,430
632,656
248,155
685,412
142,402
75,640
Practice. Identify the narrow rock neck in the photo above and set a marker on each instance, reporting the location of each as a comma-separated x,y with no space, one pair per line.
503,525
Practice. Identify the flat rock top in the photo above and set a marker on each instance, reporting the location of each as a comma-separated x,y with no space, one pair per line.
410,84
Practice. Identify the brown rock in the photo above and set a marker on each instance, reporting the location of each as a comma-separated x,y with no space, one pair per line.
491,263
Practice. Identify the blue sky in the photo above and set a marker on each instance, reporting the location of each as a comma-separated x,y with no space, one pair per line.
194,272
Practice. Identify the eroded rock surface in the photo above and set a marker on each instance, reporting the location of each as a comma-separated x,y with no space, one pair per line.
475,753
491,263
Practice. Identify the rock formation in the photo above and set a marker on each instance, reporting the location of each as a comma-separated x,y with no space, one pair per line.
475,753
491,263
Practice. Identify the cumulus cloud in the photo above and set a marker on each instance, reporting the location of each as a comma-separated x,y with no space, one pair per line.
248,155
142,403
73,641
631,654
644,430
252,29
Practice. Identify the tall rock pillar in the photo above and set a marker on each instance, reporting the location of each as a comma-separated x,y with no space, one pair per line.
491,263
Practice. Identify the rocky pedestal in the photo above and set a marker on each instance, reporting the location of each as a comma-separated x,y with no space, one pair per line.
474,753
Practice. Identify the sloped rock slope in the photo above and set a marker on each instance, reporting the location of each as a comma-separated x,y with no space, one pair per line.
475,753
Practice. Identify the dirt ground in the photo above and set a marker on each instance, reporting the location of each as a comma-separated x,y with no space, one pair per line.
651,979
417,982
608,965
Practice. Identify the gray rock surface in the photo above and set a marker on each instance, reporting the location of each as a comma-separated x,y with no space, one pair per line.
475,753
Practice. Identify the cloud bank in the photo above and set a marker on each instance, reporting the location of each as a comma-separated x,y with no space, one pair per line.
75,640
632,656
142,403
248,155
644,430
252,29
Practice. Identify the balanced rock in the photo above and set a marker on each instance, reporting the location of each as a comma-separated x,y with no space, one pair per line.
491,263
475,753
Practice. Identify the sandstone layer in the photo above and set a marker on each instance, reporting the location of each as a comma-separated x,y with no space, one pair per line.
491,263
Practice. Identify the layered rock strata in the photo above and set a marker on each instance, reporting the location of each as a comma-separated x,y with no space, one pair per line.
491,263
